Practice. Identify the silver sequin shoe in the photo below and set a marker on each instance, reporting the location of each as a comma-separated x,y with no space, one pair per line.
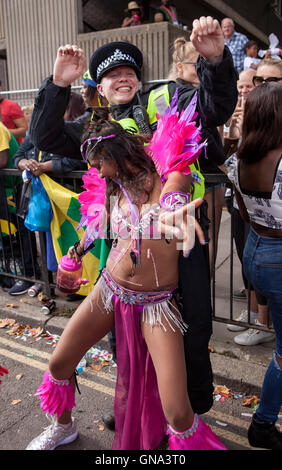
53,436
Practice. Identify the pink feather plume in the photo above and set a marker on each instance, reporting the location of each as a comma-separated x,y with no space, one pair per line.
176,143
92,205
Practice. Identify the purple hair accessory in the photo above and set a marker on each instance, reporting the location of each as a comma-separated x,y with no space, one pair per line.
98,140
83,221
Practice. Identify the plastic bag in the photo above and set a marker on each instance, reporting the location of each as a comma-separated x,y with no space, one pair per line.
40,213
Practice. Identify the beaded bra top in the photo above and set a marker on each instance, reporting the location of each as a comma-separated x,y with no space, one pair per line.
123,227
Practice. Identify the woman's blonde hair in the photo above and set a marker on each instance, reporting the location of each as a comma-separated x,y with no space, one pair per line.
27,108
271,62
182,51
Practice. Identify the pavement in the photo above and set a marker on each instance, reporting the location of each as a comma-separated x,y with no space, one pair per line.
240,368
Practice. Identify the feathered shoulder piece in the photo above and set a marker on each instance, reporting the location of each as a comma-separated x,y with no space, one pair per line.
176,143
92,205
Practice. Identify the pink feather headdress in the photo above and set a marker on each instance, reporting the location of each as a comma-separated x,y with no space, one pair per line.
176,143
92,206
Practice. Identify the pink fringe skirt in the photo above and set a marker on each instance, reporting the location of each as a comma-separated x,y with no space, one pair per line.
140,423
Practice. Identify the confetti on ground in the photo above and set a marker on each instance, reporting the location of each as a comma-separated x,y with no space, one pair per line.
96,357
99,353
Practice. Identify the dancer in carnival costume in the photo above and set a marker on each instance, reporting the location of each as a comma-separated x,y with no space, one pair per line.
136,292
118,75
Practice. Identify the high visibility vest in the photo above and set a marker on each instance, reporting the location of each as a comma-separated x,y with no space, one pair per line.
158,103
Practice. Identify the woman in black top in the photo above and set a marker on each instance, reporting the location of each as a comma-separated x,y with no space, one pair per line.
184,72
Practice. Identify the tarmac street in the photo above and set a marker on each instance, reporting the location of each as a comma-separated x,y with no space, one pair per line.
25,354
22,418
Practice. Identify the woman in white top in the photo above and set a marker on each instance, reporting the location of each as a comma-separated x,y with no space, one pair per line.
257,176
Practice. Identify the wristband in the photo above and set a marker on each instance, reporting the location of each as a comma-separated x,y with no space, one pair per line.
75,247
172,201
77,244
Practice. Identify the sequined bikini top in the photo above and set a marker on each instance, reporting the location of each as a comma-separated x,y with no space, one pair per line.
123,227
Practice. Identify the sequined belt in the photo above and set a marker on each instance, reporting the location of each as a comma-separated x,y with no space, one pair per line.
129,296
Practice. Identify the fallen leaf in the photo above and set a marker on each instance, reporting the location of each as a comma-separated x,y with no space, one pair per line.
96,367
17,329
19,376
15,402
210,348
105,363
101,427
222,390
7,322
248,401
43,297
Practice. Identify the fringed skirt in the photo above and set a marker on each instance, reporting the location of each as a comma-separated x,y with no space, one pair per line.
140,423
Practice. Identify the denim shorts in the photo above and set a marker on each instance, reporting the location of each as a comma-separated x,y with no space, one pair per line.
262,262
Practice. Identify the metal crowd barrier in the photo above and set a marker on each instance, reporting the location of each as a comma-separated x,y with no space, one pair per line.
11,247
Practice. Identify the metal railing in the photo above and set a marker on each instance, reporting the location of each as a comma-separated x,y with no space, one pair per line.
12,255
16,248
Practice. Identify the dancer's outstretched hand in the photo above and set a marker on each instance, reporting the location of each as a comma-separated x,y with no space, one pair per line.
182,225
69,65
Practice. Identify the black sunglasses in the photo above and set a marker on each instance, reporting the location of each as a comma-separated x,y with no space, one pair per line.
259,80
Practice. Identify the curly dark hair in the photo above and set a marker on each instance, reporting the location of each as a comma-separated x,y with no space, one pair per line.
126,148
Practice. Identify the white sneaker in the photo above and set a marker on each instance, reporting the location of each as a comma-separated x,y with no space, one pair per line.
251,337
53,436
242,317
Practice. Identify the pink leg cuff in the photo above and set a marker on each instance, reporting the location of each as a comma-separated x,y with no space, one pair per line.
198,437
56,395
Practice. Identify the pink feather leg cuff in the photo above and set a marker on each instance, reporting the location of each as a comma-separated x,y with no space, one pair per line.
56,395
198,437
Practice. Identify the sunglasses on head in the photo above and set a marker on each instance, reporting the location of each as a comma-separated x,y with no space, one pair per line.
259,80
192,63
